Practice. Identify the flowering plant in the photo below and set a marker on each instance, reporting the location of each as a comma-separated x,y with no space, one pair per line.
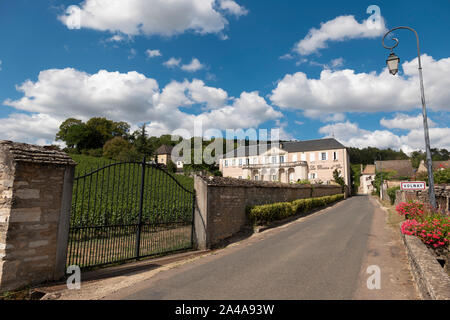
433,230
410,210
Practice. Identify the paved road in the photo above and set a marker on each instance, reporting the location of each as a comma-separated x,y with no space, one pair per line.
317,258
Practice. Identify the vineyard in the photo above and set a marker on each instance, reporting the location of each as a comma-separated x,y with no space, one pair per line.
111,195
111,200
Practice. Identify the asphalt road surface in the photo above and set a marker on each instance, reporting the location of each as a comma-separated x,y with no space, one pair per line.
319,257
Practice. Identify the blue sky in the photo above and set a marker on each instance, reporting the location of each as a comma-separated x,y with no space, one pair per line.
251,74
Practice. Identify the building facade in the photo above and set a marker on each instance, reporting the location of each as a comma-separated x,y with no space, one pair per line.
366,179
288,162
164,155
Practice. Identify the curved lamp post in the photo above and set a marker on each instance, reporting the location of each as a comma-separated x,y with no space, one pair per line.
392,64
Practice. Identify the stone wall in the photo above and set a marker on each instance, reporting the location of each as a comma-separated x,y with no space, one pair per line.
442,197
222,202
34,183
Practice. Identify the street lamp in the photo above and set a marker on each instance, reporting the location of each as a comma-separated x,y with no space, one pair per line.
392,64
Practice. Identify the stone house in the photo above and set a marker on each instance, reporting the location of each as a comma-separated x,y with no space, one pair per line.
288,162
366,179
164,155
437,165
400,168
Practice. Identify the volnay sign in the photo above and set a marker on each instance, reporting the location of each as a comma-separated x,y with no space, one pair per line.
413,185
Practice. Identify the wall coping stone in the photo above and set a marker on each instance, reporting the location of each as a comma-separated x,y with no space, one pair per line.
244,183
22,152
431,279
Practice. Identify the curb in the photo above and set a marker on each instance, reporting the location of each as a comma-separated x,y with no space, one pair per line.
432,281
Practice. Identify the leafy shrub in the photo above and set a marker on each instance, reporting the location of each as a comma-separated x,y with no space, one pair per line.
117,148
433,230
98,153
171,166
303,181
271,212
442,176
392,193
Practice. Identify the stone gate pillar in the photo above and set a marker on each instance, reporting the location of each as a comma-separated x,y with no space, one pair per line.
35,198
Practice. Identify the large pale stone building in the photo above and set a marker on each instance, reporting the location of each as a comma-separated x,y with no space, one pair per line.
287,162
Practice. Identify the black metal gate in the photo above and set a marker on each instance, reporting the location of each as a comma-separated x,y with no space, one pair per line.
128,210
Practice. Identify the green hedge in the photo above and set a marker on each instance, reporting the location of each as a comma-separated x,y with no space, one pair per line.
271,212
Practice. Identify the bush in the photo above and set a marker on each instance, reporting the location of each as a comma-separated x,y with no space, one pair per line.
442,176
392,193
303,181
117,148
271,212
98,153
433,230
171,166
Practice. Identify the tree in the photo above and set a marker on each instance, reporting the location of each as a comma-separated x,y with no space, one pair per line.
142,143
337,178
91,135
118,148
171,166
73,132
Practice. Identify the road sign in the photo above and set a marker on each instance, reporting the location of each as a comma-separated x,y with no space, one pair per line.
413,185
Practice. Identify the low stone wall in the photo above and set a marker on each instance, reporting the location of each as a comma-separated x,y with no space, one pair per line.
222,203
432,281
34,189
442,197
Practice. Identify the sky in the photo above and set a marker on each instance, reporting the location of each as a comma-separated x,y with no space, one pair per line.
312,69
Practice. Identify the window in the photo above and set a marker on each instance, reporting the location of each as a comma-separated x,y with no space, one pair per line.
312,157
240,177
234,162
303,157
240,162
226,163
274,177
247,161
335,155
255,160
274,159
267,160
294,158
256,178
324,156
281,159
312,175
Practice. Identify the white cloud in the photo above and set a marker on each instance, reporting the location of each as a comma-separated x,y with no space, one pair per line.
286,56
339,29
338,62
405,122
347,91
233,8
153,53
62,93
116,37
351,135
172,62
151,17
36,128
193,66
132,54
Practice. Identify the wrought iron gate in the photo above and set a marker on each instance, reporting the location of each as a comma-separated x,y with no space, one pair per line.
128,210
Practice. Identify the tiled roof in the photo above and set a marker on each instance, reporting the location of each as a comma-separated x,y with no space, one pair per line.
402,167
22,152
289,146
369,169
164,149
